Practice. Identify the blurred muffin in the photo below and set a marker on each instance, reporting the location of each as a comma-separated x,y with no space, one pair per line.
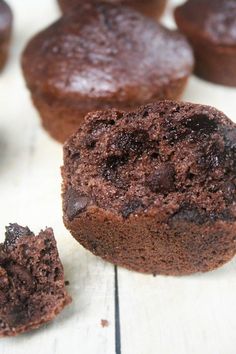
5,31
210,25
152,8
101,57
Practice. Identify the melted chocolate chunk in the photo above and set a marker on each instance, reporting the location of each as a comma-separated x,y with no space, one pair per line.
212,156
230,146
112,163
132,142
163,179
13,232
189,213
131,207
201,123
75,203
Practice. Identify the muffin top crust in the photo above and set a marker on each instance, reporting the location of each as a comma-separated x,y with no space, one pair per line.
68,5
5,18
106,51
214,20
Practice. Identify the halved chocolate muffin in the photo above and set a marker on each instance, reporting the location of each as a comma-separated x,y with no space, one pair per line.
154,190
210,25
152,8
32,289
103,56
5,31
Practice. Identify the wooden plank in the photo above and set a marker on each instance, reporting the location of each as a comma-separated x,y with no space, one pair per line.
30,194
194,314
166,315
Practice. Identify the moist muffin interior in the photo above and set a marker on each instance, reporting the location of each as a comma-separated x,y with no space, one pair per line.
32,289
181,156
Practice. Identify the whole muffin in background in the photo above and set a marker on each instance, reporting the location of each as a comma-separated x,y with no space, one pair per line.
154,190
152,8
103,56
210,26
5,31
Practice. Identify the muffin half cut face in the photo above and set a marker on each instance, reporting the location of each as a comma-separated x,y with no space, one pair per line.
154,190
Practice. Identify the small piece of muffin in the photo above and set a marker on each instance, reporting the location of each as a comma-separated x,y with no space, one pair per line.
5,31
152,8
210,25
103,56
32,289
154,190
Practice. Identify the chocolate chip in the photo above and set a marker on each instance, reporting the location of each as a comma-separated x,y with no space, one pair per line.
229,191
201,123
75,203
230,138
73,153
154,155
112,163
194,127
212,156
115,161
13,233
90,143
163,179
135,141
19,315
189,213
131,207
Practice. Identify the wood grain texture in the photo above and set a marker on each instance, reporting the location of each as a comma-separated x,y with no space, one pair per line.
30,188
161,315
194,314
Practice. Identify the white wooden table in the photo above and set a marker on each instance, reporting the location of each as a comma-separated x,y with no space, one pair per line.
147,315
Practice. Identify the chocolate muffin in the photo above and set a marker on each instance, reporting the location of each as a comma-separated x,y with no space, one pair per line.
103,56
5,31
152,8
154,190
210,25
32,290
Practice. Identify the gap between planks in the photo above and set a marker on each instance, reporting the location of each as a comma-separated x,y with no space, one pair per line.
117,314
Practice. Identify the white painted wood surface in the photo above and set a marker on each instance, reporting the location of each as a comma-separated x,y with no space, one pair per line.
161,315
